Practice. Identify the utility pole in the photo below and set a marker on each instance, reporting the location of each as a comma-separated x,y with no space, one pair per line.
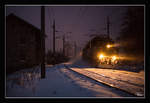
108,24
43,41
54,36
90,44
75,49
64,44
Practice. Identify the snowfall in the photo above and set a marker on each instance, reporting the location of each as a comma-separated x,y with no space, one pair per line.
75,79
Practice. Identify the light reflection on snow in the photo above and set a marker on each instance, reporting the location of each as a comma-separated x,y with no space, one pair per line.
98,90
117,79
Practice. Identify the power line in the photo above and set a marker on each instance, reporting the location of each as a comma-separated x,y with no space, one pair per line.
50,17
53,13
50,22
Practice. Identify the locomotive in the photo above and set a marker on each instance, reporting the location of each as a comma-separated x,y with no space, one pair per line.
108,55
101,50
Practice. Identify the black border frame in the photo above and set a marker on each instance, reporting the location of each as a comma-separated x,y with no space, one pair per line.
68,2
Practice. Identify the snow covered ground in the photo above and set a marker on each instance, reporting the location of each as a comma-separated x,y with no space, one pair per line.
59,82
115,79
131,82
74,79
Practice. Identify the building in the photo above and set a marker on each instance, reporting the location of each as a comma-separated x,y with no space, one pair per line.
23,44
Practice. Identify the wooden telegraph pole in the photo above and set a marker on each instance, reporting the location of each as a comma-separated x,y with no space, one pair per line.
75,49
54,36
43,41
64,44
108,24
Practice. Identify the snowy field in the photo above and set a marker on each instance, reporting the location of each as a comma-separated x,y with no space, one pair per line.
59,82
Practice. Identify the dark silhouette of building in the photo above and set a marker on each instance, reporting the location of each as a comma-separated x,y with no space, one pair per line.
23,44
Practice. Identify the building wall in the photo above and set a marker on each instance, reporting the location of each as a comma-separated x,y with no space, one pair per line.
22,45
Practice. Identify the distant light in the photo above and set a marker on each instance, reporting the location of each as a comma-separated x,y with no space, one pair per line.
114,57
108,46
101,56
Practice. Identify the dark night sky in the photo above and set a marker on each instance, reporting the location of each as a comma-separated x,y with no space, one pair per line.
79,20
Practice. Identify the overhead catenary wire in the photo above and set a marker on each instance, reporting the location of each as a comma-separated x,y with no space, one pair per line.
50,17
53,13
50,21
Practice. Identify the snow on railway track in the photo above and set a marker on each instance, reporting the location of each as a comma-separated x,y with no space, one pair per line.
127,81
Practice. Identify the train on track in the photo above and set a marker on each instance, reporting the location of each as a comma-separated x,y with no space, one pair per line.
101,50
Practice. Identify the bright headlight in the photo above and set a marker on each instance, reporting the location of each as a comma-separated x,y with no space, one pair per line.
101,56
114,57
108,46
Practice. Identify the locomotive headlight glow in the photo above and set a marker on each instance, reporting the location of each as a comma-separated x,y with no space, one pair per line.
108,46
101,56
114,57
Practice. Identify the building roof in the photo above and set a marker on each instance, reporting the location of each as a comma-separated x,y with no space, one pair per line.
20,19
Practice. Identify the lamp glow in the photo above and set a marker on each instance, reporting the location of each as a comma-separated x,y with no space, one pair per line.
108,46
101,56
